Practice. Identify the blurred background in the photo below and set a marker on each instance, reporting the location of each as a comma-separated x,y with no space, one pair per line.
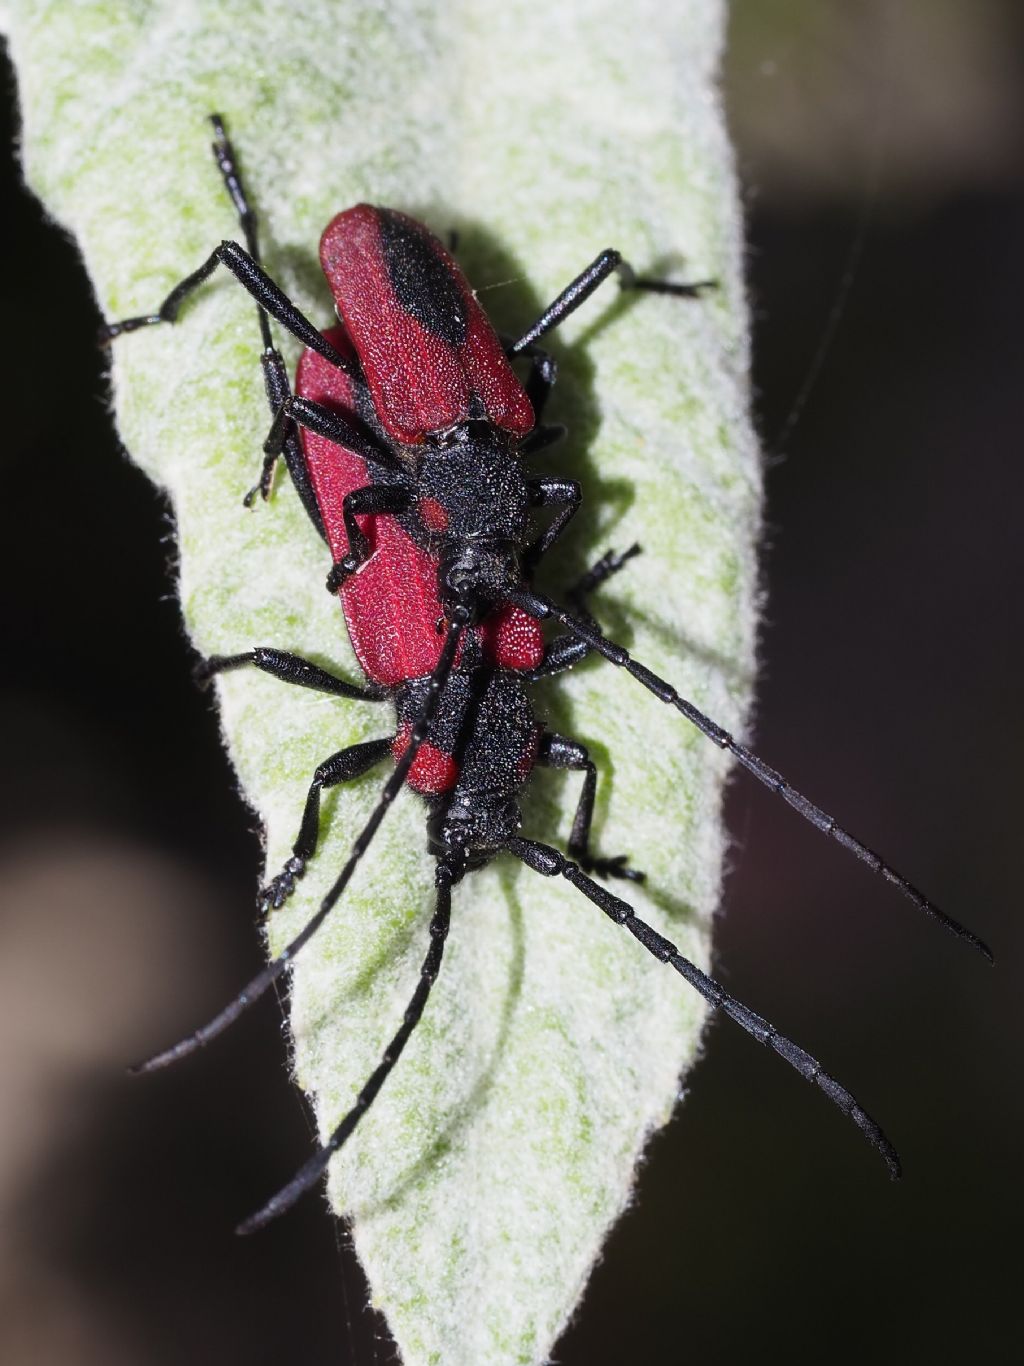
881,147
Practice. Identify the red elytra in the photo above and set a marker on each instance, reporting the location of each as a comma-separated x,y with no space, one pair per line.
429,353
392,608
512,639
433,771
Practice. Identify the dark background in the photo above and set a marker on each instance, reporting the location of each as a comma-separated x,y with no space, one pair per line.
880,144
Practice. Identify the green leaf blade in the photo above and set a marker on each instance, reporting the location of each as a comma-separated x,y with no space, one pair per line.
502,1148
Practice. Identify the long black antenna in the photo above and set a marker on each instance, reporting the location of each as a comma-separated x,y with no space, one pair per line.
260,983
541,607
549,862
227,164
275,375
311,1170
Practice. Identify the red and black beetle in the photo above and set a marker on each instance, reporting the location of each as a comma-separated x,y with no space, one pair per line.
407,439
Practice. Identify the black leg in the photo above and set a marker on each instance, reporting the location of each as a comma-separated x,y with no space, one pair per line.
608,262
565,651
326,422
251,277
589,633
541,438
375,499
628,279
227,164
549,862
290,669
547,491
343,767
600,572
275,376
246,267
558,751
569,300
543,373
269,975
315,417
279,397
311,1171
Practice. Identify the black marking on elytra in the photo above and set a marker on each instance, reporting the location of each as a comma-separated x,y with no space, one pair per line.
423,283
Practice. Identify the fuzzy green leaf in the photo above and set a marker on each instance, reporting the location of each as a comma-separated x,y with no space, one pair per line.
484,1180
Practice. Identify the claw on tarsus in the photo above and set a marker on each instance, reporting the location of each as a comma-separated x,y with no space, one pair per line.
612,867
279,889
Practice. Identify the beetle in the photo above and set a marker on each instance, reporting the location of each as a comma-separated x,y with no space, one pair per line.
467,740
460,486
424,394
417,387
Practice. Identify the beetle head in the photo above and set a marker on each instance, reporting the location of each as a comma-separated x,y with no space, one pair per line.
475,574
473,826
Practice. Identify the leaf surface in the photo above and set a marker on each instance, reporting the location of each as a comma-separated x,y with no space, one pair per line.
485,1178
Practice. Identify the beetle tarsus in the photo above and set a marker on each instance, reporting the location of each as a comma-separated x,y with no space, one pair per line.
277,891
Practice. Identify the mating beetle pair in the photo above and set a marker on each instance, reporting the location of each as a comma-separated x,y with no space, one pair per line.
407,439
